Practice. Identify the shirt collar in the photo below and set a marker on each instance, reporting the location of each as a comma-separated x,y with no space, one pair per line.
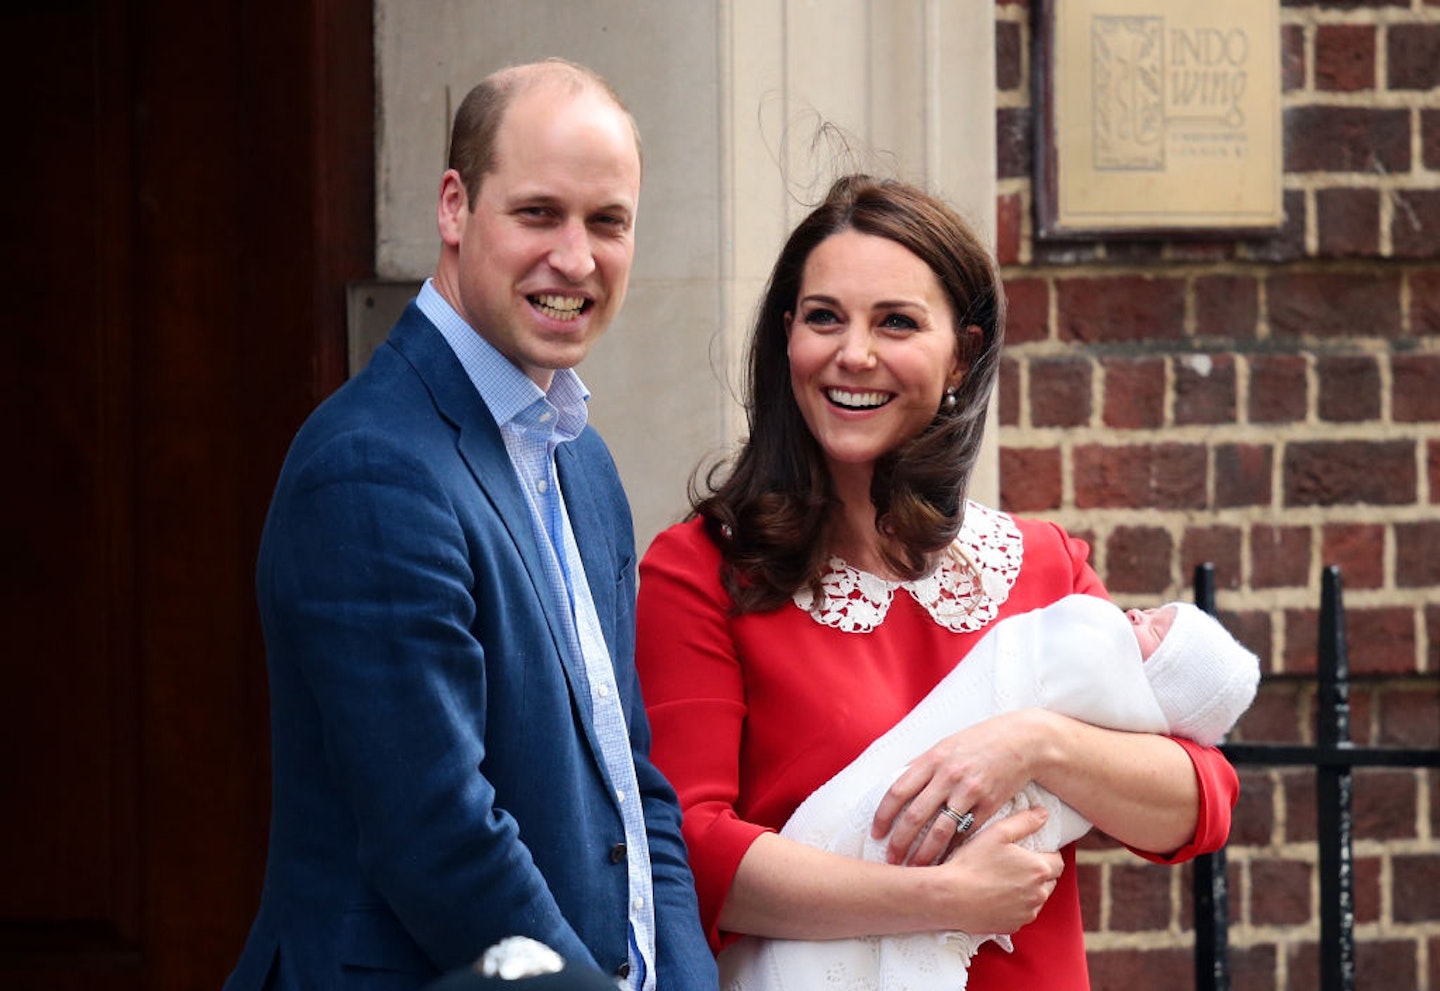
506,390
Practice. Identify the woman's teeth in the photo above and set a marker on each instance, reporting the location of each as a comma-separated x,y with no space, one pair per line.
857,400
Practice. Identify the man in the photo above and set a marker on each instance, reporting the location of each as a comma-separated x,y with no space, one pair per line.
446,583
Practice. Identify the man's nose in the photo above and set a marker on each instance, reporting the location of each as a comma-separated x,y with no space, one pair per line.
571,255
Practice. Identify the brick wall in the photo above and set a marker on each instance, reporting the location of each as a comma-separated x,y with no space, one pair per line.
1271,405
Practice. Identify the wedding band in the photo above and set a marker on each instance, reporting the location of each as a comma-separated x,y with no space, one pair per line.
963,821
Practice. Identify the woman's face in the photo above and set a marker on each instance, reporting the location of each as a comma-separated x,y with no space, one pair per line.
872,347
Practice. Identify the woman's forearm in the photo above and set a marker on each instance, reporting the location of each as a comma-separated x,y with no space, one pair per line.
1136,787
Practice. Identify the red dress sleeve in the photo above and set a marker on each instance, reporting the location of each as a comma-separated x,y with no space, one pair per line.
1219,788
695,698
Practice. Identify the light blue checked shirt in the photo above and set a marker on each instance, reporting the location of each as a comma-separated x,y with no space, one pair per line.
533,423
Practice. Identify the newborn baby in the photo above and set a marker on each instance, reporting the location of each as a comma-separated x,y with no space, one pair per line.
1172,669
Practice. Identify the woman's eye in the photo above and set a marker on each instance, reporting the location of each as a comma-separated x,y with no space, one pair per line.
899,321
821,317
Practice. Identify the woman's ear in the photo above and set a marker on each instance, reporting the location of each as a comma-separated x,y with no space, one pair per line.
967,344
789,319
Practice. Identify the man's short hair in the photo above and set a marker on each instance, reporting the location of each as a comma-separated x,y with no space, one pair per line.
477,122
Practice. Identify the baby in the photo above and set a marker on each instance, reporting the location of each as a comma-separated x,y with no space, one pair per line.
1173,669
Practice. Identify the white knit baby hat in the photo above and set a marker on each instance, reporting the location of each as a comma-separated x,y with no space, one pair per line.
1203,677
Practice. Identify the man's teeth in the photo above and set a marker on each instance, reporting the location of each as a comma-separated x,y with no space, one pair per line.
559,307
857,400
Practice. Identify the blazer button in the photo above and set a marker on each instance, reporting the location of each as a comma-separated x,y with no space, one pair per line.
623,970
618,853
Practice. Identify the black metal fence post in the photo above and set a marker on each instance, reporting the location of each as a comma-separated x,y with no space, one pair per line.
1212,893
1334,813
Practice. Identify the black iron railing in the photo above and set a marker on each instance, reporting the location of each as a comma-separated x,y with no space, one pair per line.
1334,758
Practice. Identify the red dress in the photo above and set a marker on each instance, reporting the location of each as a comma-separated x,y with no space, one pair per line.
750,714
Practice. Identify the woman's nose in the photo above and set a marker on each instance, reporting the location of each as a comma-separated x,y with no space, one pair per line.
856,350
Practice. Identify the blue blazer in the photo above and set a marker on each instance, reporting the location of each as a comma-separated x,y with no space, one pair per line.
437,782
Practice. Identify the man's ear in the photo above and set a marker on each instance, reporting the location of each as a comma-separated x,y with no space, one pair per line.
454,209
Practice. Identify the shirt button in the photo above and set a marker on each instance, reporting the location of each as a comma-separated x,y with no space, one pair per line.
541,485
545,417
618,853
639,903
620,796
603,691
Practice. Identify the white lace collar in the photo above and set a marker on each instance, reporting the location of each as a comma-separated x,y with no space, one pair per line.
962,597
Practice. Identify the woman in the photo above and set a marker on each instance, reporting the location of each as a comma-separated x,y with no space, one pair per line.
832,578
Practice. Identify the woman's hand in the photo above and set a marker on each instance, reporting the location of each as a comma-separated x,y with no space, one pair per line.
1004,885
976,771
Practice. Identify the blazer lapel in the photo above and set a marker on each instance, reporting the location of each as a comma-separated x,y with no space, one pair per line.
483,450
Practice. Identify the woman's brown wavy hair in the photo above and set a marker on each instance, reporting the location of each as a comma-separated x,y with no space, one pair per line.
771,512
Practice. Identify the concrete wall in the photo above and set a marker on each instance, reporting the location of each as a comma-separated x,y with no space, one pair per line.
729,97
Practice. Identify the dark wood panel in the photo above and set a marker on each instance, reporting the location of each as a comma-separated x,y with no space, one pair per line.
192,191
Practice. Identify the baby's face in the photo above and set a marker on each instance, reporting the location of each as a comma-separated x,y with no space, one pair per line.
1150,626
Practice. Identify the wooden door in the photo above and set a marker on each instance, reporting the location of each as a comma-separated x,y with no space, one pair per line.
184,192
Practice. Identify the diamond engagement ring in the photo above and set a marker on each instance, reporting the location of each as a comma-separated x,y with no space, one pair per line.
963,821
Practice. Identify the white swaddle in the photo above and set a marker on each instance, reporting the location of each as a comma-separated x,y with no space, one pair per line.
1078,657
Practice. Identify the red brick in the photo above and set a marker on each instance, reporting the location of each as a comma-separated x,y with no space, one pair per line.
1413,56
1349,388
1433,943
1277,388
1346,139
1279,556
1134,393
1226,306
1139,897
1368,897
1205,389
1287,244
1430,137
1027,310
1292,57
1009,222
1358,549
1252,968
1009,388
1301,640
1280,892
1414,222
1410,716
1162,476
1091,879
1122,308
1334,473
1381,640
1432,468
1299,801
1242,475
1417,887
1274,716
1137,559
1361,705
1137,970
1009,56
1334,304
1217,545
1417,553
1432,633
1253,821
1029,479
1415,393
1425,303
1060,392
1385,963
1385,803
1344,57
1348,222
1012,142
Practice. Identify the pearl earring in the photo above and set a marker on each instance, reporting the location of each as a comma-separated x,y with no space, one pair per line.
950,398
